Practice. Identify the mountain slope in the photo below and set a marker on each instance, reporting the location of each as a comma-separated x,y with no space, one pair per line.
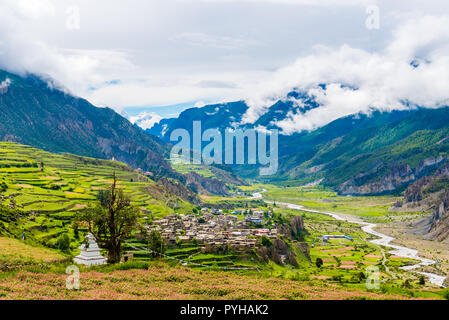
302,156
41,193
385,158
359,154
230,114
217,116
33,113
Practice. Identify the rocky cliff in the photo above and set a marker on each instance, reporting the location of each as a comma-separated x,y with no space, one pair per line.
431,193
278,252
281,250
205,186
439,222
373,182
427,189
177,188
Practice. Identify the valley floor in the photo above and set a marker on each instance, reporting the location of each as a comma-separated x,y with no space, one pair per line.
42,272
390,221
403,231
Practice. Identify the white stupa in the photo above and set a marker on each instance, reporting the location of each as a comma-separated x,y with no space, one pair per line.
90,253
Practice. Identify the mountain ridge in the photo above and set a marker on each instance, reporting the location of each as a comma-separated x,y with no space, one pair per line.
376,153
34,113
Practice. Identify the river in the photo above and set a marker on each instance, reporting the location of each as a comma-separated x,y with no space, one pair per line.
382,240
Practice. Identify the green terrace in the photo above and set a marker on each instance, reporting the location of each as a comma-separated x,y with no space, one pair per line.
52,188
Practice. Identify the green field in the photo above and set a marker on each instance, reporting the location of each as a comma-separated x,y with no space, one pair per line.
371,208
51,189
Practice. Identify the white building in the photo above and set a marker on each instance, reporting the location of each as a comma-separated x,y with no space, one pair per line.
90,253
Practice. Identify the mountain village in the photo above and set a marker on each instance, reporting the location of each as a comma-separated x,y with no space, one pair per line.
214,229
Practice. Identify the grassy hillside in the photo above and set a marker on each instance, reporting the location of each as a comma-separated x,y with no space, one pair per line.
17,250
35,112
50,189
374,146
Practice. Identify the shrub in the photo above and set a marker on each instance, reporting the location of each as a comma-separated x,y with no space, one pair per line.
156,244
265,241
337,278
63,243
407,284
3,187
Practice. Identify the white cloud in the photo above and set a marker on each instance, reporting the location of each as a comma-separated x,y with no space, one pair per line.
384,80
28,8
227,50
163,91
5,83
23,52
210,52
145,120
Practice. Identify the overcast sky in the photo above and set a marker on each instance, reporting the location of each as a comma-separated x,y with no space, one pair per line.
151,54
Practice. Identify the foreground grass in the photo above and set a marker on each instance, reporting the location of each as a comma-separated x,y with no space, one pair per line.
12,249
160,281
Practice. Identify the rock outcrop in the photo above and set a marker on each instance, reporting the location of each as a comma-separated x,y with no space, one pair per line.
177,188
422,188
205,186
439,222
278,252
294,229
397,176
414,192
446,282
282,253
296,225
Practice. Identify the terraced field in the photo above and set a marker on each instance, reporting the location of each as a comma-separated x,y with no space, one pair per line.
52,188
59,183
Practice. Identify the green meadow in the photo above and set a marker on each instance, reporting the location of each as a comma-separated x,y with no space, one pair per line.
371,208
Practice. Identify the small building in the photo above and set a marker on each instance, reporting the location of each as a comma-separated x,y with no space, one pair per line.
128,256
90,253
327,237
